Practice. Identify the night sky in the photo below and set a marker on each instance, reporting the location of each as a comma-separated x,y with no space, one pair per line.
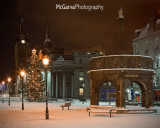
70,28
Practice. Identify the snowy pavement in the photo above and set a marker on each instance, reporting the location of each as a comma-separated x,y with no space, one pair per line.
33,116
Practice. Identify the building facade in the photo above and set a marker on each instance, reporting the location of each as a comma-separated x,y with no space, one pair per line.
67,72
147,42
22,54
67,75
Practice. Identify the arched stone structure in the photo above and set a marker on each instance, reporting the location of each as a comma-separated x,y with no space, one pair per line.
120,70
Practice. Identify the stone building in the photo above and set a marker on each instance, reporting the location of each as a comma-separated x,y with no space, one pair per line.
21,53
147,42
67,72
67,75
121,70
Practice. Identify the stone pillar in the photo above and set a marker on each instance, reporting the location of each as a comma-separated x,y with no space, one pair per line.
56,84
49,90
72,87
150,98
118,93
143,99
117,98
94,93
52,85
150,92
64,85
120,101
146,99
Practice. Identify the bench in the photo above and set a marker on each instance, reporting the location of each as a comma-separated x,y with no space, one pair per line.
100,109
67,104
83,99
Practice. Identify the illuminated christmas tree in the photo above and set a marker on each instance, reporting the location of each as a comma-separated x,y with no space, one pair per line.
35,83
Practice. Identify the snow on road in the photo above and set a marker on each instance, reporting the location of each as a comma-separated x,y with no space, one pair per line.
33,116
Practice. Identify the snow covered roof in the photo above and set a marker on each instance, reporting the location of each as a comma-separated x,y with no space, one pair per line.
123,69
128,55
158,21
144,31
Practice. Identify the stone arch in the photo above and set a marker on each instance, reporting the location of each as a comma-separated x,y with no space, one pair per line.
141,84
106,89
121,77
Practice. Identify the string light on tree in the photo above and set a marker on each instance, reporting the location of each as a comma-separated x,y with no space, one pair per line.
35,84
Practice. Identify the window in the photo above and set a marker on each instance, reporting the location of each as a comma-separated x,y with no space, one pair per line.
81,60
157,81
101,53
157,46
146,50
157,63
81,76
137,48
81,91
157,43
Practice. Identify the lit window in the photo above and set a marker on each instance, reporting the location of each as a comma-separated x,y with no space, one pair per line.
81,78
81,73
81,91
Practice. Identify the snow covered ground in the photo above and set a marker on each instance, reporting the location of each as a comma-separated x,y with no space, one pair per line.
33,116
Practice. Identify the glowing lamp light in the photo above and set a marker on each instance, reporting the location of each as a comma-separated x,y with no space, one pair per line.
45,61
127,90
23,73
22,41
9,79
3,82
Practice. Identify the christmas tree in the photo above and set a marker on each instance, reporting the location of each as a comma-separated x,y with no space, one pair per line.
35,83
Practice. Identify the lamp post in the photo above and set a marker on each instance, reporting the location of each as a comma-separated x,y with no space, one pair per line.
45,63
9,80
22,75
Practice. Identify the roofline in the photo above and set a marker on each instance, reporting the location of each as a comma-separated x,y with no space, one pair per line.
146,36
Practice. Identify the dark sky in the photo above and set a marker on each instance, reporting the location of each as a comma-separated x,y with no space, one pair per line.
70,28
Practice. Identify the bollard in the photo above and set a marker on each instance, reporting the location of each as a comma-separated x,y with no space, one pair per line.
110,111
2,99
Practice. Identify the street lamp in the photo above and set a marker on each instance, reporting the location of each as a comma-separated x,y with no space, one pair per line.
9,80
23,41
22,75
45,63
